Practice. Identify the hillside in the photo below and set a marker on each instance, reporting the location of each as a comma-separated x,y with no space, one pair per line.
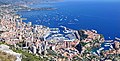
6,57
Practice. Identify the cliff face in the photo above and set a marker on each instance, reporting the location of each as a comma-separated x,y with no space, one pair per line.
6,57
7,54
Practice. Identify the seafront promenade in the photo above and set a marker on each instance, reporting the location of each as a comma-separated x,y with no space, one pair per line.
52,43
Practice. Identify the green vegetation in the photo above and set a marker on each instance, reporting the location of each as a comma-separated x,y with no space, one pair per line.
83,43
101,36
25,55
51,52
28,56
1,43
82,35
6,57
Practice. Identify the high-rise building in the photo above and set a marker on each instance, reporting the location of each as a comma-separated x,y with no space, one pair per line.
34,49
17,23
39,48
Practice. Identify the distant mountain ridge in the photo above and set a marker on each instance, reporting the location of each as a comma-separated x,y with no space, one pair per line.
26,1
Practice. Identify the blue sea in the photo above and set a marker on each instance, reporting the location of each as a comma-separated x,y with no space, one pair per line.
103,16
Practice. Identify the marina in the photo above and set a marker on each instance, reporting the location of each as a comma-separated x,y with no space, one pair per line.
56,35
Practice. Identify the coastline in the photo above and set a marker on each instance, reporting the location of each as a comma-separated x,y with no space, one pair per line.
34,34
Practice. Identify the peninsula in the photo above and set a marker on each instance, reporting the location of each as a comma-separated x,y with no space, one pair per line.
41,43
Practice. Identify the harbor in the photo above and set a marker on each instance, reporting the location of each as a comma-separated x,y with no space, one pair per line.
57,44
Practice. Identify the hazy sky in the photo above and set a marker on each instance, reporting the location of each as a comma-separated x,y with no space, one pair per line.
92,0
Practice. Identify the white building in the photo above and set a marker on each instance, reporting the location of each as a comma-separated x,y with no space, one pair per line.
34,49
29,23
